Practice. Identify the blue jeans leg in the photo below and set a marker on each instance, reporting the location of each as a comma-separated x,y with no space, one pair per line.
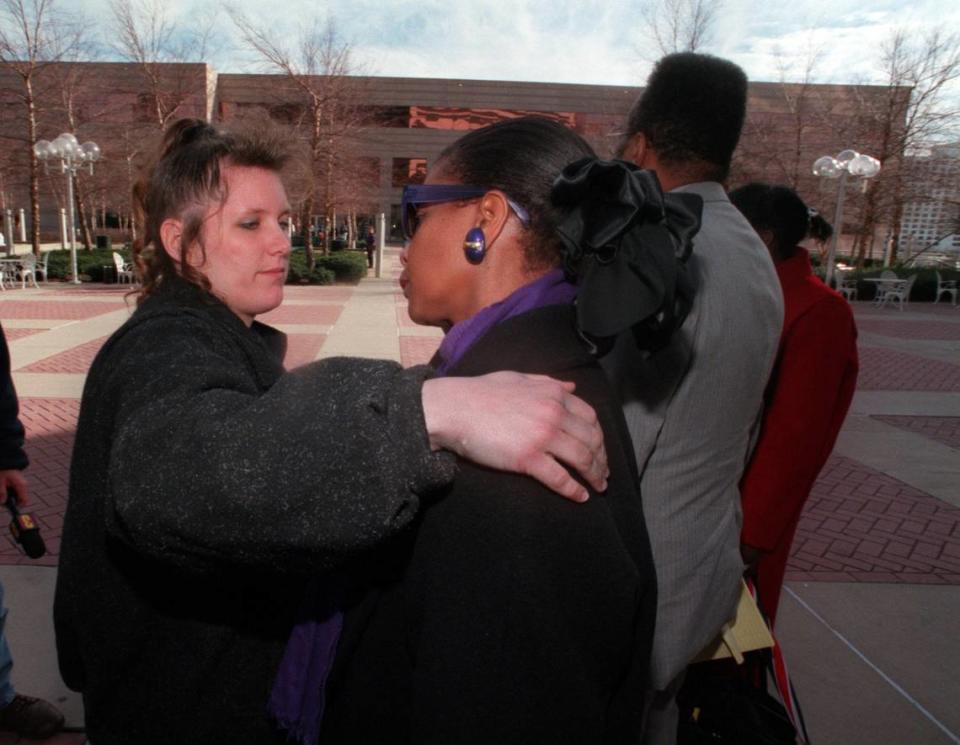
6,661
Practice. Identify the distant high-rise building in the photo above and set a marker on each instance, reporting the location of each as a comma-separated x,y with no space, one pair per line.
931,219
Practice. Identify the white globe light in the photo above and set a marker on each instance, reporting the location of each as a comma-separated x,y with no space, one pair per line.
91,151
871,167
827,167
846,156
858,164
42,149
68,147
63,146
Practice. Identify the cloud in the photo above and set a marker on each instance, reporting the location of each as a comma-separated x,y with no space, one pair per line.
574,41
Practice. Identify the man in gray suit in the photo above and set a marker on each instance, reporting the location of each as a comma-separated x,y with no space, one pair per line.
693,406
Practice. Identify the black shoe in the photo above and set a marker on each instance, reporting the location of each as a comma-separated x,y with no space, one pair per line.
31,717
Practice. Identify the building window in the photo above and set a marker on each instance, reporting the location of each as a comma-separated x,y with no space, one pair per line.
286,113
394,229
445,117
409,171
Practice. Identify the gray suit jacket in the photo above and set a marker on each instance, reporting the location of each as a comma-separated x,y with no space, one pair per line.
692,409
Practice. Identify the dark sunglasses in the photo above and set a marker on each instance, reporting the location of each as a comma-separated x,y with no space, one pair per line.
418,195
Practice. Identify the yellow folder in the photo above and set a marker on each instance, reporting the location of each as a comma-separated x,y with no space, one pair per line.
745,633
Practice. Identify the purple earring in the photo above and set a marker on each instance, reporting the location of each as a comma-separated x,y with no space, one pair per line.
475,246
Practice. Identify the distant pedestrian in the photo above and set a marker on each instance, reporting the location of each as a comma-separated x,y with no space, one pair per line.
808,396
371,243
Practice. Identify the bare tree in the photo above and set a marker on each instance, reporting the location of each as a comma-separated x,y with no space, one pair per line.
914,113
68,83
680,25
321,104
33,35
148,38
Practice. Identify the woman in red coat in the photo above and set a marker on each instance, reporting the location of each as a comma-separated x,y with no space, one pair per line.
810,389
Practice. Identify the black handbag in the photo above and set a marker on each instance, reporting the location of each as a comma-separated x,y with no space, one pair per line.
721,705
725,704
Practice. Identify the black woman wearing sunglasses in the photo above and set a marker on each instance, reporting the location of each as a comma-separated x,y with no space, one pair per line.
509,616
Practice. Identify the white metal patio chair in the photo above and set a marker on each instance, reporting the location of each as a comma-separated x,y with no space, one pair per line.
847,288
900,292
124,269
948,286
28,267
41,267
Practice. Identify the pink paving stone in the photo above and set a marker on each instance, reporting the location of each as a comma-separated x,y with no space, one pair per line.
403,318
417,350
56,310
88,290
895,548
913,329
324,293
912,531
76,360
887,370
324,315
886,577
926,579
827,576
851,563
302,348
12,334
951,549
843,548
942,429
869,548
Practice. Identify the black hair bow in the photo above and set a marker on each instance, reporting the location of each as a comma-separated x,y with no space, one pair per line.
627,243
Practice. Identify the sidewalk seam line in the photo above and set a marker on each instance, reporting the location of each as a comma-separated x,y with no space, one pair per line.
893,684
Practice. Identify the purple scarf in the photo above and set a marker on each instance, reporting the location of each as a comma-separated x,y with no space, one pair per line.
552,288
299,690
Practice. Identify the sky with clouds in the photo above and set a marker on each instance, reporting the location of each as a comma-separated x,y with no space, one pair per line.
574,41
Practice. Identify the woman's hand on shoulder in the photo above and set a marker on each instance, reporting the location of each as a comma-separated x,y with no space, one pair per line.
529,424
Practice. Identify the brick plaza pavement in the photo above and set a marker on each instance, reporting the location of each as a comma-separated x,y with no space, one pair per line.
309,312
865,524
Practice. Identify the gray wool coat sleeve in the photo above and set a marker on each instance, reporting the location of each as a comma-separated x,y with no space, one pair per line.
207,469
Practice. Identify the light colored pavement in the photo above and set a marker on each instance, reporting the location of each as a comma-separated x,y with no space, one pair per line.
875,662
868,621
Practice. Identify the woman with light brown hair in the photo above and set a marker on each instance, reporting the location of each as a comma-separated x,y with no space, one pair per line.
207,484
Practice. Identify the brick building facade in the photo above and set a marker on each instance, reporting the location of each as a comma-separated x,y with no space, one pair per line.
398,127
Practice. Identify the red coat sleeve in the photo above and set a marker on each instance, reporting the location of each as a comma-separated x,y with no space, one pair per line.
807,402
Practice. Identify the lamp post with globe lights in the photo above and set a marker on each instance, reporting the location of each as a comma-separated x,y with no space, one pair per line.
846,163
72,156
